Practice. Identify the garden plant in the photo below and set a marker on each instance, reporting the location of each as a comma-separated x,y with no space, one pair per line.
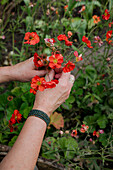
70,35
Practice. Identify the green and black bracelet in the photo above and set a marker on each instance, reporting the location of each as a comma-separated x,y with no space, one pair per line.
40,114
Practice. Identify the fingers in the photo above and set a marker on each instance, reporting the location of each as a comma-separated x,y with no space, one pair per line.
50,75
57,76
40,73
71,81
64,77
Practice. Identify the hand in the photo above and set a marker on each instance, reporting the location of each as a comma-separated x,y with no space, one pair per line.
50,99
25,71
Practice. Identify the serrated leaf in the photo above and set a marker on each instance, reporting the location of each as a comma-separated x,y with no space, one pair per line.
56,119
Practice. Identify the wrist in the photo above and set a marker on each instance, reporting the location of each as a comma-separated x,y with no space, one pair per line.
42,109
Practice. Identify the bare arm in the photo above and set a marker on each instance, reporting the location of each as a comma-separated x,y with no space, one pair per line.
25,151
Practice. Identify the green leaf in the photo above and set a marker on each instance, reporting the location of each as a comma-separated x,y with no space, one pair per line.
47,51
3,2
79,26
27,2
91,73
91,23
16,91
102,121
71,99
11,143
103,139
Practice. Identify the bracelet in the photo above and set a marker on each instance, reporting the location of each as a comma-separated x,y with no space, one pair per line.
42,115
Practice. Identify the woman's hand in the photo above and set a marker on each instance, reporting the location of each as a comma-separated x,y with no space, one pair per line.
23,72
50,99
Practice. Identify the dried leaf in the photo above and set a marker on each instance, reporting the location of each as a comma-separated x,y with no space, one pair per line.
56,119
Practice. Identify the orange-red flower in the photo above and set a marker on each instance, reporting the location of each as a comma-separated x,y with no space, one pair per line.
51,84
16,117
37,60
62,37
33,91
96,134
110,24
74,133
55,61
108,36
68,67
37,84
68,43
106,15
96,19
65,7
32,38
88,42
84,128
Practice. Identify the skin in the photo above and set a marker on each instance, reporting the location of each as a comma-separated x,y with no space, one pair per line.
25,151
23,72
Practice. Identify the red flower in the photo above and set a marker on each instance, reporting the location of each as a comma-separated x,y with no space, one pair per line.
37,60
68,43
32,38
68,67
38,84
55,61
96,134
106,15
88,42
51,84
74,133
62,37
33,91
110,24
16,117
108,36
84,128
65,7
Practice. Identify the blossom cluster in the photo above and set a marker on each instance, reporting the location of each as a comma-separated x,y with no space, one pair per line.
84,128
56,60
15,118
52,62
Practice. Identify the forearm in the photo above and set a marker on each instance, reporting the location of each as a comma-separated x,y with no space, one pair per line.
26,149
6,74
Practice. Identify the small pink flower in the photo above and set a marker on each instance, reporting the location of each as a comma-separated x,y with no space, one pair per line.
61,132
78,57
101,131
82,9
69,34
98,40
49,41
91,140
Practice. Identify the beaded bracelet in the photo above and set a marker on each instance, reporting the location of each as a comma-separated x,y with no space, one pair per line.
40,114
